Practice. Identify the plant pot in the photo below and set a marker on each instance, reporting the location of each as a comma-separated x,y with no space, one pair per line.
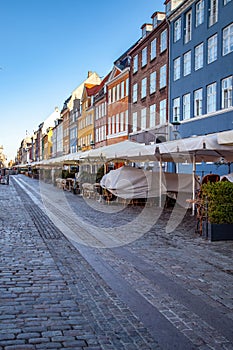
220,232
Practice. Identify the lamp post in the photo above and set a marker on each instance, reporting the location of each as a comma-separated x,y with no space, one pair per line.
175,125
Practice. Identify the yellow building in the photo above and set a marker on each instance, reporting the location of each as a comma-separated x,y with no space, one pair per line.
86,120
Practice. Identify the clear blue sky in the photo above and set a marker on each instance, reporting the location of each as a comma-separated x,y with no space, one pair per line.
47,47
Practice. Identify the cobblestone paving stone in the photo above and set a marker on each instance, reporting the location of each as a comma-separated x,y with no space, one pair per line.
202,268
51,298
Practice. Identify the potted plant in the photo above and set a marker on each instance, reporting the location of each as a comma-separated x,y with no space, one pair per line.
218,197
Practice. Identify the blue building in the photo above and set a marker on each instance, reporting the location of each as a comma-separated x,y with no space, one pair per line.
201,66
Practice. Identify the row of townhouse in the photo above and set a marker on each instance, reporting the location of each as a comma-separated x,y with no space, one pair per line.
179,72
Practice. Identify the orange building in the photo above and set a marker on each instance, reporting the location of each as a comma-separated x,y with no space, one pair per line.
118,90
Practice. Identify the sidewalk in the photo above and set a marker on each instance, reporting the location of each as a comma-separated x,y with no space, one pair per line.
44,287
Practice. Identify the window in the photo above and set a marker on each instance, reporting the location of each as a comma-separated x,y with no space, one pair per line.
122,121
213,12
153,49
188,27
127,87
162,111
135,92
187,63
122,89
152,82
186,106
143,87
110,96
143,119
113,124
117,123
199,12
113,94
118,92
135,64
177,68
163,40
144,56
227,92
212,49
176,109
199,56
211,98
152,115
163,76
135,122
226,2
198,102
227,40
177,30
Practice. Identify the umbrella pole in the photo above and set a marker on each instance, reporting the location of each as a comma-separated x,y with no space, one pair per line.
194,172
160,183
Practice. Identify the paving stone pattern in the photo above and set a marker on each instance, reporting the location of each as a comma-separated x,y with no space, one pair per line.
183,281
51,298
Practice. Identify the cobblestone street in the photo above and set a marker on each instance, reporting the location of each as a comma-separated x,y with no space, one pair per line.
79,274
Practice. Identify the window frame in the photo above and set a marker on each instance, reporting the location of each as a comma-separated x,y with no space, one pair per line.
144,57
211,98
163,40
228,89
185,110
212,48
227,42
199,56
198,108
177,29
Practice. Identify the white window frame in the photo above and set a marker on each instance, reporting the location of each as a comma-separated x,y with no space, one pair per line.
199,56
211,97
188,26
122,89
118,92
213,12
163,40
153,45
144,57
176,66
212,47
152,115
227,42
122,123
143,119
143,87
127,87
135,64
227,92
176,109
187,63
177,30
186,106
198,102
163,111
200,6
152,82
135,122
163,76
135,93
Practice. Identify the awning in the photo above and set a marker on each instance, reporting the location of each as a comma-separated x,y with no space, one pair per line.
225,138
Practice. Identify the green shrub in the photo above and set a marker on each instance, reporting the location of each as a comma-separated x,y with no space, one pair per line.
219,196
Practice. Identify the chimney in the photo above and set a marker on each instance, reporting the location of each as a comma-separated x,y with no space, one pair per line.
157,18
146,29
89,73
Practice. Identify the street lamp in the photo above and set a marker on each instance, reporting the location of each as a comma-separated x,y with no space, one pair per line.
175,125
